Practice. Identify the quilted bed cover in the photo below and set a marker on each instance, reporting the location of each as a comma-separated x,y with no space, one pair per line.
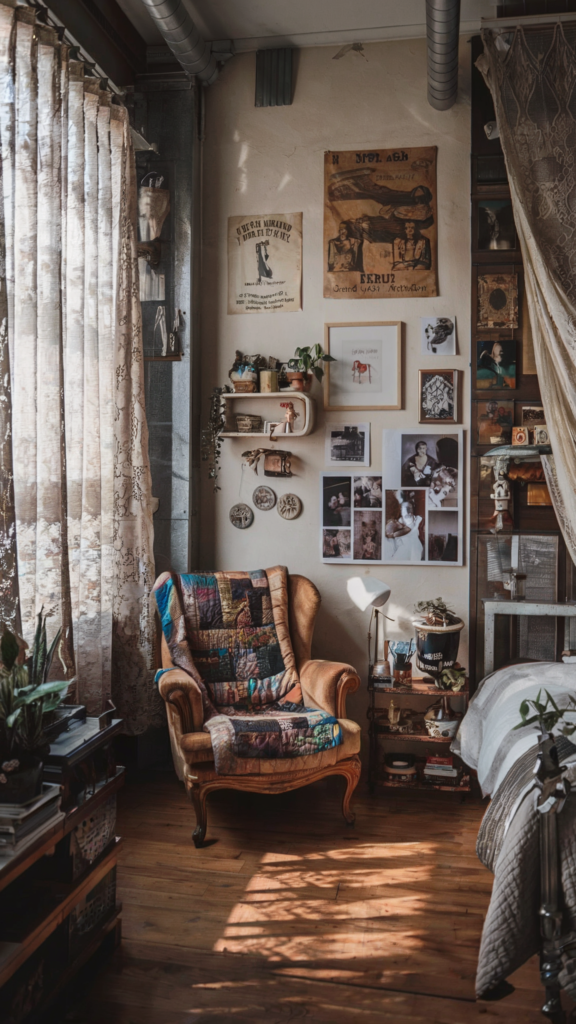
508,840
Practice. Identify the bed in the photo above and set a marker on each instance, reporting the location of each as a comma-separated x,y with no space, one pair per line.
509,837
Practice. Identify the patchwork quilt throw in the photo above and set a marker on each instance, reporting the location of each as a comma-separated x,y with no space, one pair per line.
229,632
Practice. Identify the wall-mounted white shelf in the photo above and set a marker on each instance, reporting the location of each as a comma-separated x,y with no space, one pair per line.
303,405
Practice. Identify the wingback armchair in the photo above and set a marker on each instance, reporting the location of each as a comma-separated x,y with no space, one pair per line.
324,685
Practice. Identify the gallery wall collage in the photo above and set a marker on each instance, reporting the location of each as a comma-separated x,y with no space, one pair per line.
380,241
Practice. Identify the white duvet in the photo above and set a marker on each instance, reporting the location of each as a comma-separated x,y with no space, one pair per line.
487,740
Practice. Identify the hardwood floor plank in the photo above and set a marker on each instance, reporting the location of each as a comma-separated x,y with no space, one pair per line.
289,914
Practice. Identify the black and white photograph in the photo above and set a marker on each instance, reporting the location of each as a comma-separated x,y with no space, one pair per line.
404,532
438,396
443,537
495,225
438,335
348,444
367,536
423,455
336,544
367,492
336,503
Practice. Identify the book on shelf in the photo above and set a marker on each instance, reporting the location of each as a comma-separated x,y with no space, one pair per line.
442,773
436,761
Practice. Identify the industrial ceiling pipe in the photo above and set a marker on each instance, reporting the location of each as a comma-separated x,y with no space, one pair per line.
442,35
183,38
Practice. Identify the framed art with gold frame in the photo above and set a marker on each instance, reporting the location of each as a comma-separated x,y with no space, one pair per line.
367,373
438,396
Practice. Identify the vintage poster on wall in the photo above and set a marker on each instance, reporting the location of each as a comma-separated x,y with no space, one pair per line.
265,263
380,224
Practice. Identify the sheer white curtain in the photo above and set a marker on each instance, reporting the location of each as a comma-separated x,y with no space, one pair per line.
532,82
74,396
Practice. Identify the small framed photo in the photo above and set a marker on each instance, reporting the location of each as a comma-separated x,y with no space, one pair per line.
494,422
495,230
438,335
520,436
367,373
497,302
438,396
495,365
541,435
347,444
533,416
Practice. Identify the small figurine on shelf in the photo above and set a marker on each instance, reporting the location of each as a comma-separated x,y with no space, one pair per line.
289,416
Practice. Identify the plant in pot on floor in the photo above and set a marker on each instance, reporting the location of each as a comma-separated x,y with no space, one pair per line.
307,361
25,697
437,638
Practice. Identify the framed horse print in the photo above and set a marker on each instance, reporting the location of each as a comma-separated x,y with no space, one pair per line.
367,373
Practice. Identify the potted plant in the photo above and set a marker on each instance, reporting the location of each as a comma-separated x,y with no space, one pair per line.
25,697
437,637
307,361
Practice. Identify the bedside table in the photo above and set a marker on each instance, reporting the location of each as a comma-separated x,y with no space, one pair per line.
419,695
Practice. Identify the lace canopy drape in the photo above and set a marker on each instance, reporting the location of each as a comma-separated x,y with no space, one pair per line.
533,84
76,481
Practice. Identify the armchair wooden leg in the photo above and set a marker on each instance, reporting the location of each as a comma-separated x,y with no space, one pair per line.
198,798
351,770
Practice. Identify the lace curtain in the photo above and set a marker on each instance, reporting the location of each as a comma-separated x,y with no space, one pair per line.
76,481
532,80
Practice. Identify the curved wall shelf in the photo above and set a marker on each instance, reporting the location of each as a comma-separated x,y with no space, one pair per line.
304,406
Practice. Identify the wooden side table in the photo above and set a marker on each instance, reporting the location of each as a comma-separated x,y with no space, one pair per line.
492,608
418,742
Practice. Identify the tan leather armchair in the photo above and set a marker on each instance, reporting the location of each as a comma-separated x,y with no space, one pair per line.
325,685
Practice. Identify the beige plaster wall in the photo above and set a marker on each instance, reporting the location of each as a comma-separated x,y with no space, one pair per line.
259,161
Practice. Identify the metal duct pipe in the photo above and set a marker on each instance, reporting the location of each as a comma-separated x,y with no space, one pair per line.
442,33
183,38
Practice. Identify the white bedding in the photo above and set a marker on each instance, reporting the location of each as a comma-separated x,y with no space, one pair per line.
487,740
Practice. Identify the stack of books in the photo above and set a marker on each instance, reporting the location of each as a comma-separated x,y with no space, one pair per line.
20,824
441,771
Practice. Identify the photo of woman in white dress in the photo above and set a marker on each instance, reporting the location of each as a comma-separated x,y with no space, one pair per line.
404,533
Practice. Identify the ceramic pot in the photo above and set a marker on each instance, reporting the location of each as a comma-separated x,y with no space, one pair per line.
437,646
23,785
440,721
299,381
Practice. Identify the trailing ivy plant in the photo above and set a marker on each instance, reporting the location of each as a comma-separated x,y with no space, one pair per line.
210,440
309,359
546,714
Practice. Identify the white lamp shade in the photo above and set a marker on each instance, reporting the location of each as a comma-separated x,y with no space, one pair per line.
366,592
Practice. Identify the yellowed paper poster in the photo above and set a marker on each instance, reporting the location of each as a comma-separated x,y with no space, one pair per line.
380,224
265,263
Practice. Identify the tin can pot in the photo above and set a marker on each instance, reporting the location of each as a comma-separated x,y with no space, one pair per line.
437,646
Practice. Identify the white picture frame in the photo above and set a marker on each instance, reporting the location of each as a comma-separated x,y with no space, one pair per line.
367,373
347,445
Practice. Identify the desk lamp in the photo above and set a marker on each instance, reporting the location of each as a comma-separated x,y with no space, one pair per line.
367,592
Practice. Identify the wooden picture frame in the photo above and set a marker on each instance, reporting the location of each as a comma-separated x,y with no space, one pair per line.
438,389
367,372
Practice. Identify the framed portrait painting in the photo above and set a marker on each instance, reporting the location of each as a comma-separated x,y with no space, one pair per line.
438,396
367,372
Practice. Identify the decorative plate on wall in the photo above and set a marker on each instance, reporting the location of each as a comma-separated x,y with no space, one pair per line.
241,516
289,506
264,498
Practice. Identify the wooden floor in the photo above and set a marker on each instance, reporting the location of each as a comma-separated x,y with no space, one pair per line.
290,914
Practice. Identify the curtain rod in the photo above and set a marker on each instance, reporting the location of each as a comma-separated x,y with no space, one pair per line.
526,20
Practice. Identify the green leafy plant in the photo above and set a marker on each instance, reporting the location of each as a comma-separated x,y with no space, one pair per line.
436,612
26,695
210,440
309,360
452,679
546,714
